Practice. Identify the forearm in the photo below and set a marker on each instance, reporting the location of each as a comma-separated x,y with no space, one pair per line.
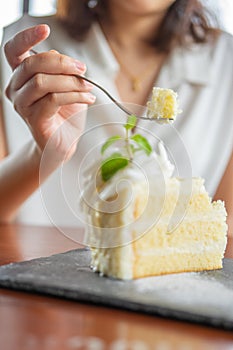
3,148
19,178
225,193
230,224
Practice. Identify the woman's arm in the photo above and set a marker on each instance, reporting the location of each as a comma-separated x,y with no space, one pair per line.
225,193
19,178
3,146
52,102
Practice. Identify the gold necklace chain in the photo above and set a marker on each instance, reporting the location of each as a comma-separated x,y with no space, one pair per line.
135,80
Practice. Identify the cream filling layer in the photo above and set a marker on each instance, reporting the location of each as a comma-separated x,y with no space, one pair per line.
197,248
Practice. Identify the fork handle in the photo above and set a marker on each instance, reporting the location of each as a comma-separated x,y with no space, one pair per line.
106,92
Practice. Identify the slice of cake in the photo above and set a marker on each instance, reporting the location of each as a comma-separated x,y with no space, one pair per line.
142,221
153,226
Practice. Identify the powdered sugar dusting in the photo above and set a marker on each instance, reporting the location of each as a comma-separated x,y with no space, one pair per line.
199,292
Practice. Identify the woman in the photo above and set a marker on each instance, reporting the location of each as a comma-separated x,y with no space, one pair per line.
127,46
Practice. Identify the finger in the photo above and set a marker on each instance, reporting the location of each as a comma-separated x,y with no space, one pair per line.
42,84
51,103
56,100
47,62
16,49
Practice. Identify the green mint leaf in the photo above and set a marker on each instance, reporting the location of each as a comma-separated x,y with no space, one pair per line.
109,142
113,164
131,122
142,143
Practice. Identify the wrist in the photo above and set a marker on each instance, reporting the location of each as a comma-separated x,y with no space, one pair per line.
34,155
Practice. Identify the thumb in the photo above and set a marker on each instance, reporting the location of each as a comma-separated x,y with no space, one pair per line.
17,48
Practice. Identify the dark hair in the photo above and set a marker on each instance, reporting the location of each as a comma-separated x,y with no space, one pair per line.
186,21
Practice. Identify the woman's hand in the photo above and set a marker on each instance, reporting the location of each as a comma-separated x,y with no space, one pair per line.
46,93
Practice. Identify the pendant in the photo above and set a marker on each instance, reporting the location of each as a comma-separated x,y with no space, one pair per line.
136,84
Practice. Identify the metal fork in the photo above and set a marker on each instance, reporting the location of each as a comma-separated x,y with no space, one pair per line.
120,105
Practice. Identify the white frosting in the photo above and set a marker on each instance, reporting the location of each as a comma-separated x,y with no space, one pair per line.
101,259
142,167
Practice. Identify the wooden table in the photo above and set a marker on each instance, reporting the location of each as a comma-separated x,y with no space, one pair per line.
29,321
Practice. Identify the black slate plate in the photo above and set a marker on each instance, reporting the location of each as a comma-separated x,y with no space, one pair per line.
200,297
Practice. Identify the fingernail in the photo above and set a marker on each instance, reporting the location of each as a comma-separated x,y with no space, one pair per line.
41,29
80,66
54,51
91,97
87,84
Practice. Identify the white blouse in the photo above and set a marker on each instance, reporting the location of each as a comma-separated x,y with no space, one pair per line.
200,142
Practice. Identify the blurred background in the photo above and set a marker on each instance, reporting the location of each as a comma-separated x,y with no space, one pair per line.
13,9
